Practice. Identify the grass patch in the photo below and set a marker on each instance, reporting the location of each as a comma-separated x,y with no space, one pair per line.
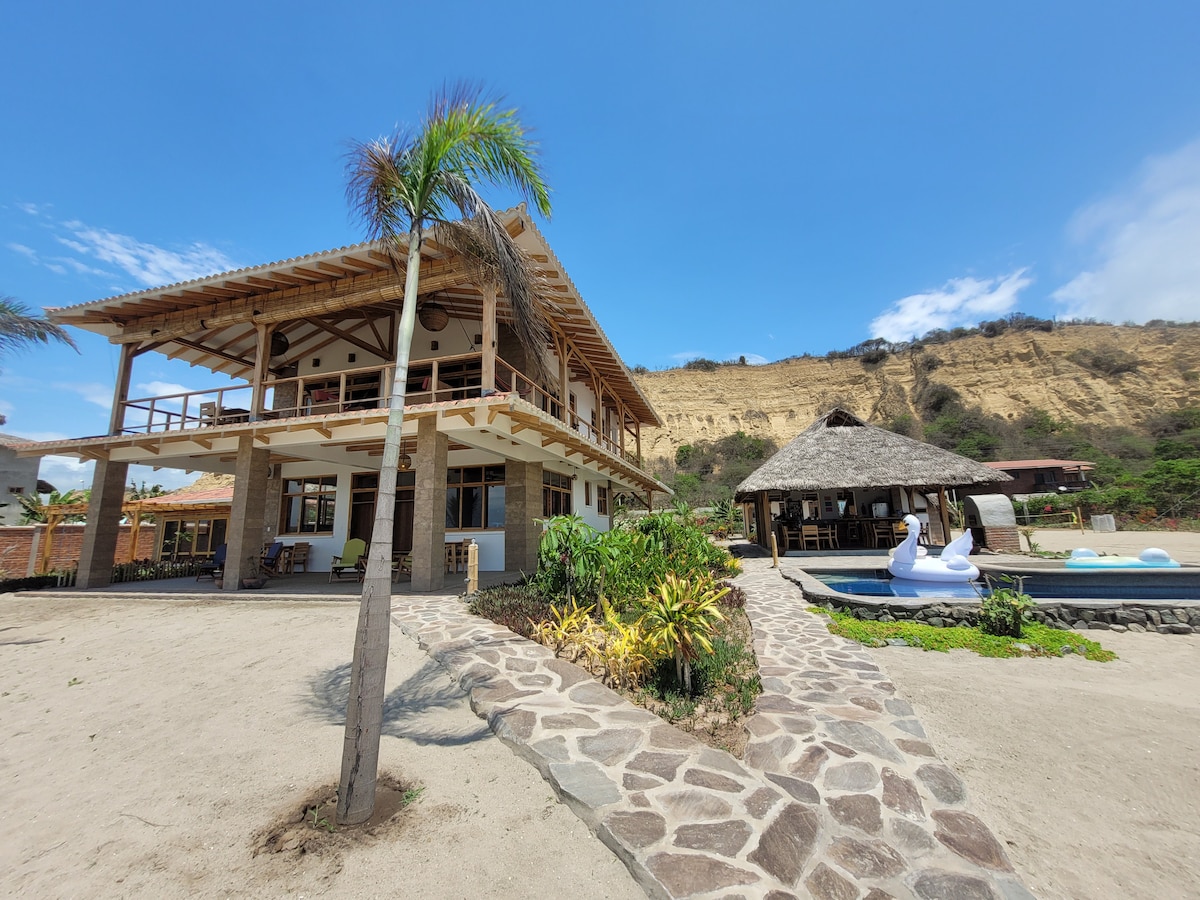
1041,640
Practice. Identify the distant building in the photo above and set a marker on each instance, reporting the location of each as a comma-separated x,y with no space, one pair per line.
18,478
1031,477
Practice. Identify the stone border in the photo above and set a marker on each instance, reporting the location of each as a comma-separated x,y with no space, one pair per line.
1157,616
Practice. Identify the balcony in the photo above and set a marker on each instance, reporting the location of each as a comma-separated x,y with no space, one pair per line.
348,391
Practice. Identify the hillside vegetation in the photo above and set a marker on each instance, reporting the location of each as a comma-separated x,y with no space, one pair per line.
1125,397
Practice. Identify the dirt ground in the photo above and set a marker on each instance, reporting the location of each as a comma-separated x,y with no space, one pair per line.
1090,772
147,744
1183,546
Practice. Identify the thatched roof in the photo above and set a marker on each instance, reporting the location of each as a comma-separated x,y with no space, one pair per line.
840,450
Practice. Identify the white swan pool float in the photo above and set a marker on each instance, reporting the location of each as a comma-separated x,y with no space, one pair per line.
1150,558
910,564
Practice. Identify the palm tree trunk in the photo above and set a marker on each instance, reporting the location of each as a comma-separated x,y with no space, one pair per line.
368,673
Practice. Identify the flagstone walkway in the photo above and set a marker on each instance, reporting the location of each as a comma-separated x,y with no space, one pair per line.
840,795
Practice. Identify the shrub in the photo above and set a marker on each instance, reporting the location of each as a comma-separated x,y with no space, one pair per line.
515,606
1107,362
1004,610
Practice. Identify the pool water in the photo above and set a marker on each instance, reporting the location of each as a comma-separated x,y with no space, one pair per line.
1060,587
867,586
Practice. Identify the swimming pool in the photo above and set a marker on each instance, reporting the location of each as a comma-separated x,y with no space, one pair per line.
1044,585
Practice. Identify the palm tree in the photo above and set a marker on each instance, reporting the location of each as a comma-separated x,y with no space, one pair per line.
18,327
401,187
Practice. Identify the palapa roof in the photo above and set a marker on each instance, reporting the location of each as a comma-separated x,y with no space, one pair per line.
840,450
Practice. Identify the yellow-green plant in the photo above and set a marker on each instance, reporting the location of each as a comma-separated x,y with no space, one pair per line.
681,616
628,653
572,631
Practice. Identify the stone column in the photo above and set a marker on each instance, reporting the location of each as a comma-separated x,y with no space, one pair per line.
429,507
522,505
244,538
103,526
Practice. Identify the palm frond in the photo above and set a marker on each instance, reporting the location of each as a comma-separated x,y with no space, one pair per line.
19,328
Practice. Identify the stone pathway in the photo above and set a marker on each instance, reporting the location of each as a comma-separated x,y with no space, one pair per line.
840,796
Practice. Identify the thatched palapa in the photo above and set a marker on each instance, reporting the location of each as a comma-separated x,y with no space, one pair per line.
853,480
840,450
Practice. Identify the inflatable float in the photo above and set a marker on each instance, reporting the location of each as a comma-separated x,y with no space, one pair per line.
910,564
1150,558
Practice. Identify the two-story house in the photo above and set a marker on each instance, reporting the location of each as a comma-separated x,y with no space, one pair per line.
309,345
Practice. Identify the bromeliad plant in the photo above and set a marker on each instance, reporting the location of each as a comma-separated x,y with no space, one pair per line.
681,616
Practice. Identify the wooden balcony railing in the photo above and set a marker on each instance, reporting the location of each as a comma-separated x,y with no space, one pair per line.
428,381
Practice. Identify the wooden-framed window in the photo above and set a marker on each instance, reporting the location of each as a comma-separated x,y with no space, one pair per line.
587,493
475,497
602,500
191,537
556,494
308,504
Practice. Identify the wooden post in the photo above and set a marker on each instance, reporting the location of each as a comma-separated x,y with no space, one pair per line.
1079,518
260,371
116,421
47,544
488,332
774,551
564,382
135,531
944,512
472,566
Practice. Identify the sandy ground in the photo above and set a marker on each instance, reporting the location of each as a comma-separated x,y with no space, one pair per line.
1090,772
1182,545
146,743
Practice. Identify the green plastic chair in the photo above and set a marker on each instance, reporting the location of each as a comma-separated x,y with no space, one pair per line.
348,561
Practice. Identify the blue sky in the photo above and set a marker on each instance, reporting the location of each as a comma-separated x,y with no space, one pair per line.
766,179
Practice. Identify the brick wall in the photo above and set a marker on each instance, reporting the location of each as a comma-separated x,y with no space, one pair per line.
21,547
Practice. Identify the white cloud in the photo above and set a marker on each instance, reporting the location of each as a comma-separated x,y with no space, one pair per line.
92,391
149,264
66,473
686,355
960,302
754,359
1143,242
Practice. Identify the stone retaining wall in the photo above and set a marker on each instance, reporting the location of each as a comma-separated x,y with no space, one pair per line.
1162,617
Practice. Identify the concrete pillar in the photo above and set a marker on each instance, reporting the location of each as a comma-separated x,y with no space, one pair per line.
99,549
522,506
429,507
245,535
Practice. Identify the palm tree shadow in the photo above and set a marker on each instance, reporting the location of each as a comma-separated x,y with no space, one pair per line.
411,711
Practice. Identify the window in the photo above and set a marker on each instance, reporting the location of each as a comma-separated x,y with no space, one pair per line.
475,497
191,537
16,490
602,500
556,494
308,505
587,493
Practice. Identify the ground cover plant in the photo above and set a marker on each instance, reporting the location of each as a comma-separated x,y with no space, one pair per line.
645,610
1035,639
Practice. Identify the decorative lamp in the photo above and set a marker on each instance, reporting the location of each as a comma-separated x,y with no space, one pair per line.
279,344
433,316
405,463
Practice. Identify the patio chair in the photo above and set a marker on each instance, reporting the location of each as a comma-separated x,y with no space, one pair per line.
213,567
299,557
208,414
810,534
271,562
352,553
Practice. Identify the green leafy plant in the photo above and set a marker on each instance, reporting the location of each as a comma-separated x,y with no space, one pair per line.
681,617
1005,610
317,819
410,796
